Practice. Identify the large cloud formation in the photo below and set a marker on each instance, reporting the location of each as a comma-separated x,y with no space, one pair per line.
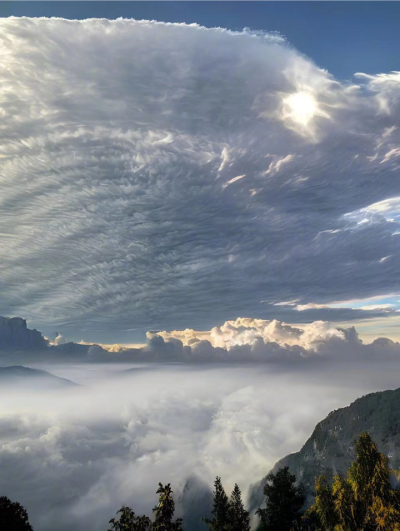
160,175
72,457
255,340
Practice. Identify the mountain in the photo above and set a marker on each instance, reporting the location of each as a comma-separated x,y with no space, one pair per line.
69,350
15,335
20,375
17,341
195,500
330,449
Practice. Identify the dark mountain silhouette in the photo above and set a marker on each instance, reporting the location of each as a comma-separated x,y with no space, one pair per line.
15,335
330,449
20,375
17,342
196,501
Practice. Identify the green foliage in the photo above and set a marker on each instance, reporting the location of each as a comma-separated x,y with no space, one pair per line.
346,510
13,517
239,518
164,511
325,503
284,502
220,520
163,515
364,501
228,514
128,521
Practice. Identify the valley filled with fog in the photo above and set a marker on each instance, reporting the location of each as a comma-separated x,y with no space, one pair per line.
73,454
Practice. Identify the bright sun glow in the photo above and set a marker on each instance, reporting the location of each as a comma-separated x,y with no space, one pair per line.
300,107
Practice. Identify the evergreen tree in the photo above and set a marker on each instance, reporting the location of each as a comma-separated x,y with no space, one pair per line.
346,510
164,511
239,518
364,501
221,509
128,521
325,504
376,503
13,517
284,502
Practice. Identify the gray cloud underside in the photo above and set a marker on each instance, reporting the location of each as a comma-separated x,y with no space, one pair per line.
121,146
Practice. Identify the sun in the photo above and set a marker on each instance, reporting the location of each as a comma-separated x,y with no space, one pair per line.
301,107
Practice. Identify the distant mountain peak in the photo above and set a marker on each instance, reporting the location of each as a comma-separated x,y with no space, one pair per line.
15,335
19,374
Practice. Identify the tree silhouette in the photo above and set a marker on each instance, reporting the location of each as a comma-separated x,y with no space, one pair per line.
239,518
13,517
164,511
221,509
284,502
128,521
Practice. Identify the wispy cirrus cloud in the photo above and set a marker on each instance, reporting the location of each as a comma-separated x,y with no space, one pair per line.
122,207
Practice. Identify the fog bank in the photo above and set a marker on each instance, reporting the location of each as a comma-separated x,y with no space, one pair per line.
74,456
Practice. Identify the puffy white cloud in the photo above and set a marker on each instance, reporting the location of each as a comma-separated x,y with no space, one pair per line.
255,340
118,141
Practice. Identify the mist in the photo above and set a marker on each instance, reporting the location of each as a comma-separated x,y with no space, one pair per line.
73,455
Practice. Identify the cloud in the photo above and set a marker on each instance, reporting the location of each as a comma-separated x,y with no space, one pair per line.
248,340
244,340
73,457
118,141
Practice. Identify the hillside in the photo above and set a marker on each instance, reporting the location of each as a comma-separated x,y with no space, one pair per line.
330,449
20,375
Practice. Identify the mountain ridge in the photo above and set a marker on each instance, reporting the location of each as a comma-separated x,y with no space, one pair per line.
19,374
330,448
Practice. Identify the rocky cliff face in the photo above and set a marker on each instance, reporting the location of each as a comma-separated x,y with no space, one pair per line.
15,335
330,449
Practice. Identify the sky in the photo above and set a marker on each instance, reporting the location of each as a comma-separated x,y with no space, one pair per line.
164,176
342,37
198,186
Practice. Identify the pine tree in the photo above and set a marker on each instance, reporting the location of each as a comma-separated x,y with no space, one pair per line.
239,518
324,504
284,502
128,521
376,502
346,509
164,511
365,500
13,517
221,507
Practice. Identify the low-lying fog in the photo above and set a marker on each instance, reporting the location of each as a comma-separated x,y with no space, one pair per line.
73,455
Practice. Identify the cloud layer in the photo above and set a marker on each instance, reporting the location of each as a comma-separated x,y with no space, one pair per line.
163,175
73,457
255,340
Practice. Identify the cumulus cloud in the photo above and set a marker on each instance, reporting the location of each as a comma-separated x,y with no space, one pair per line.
244,340
256,340
122,147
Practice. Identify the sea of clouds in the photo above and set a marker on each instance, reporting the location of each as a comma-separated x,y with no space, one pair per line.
160,175
73,456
